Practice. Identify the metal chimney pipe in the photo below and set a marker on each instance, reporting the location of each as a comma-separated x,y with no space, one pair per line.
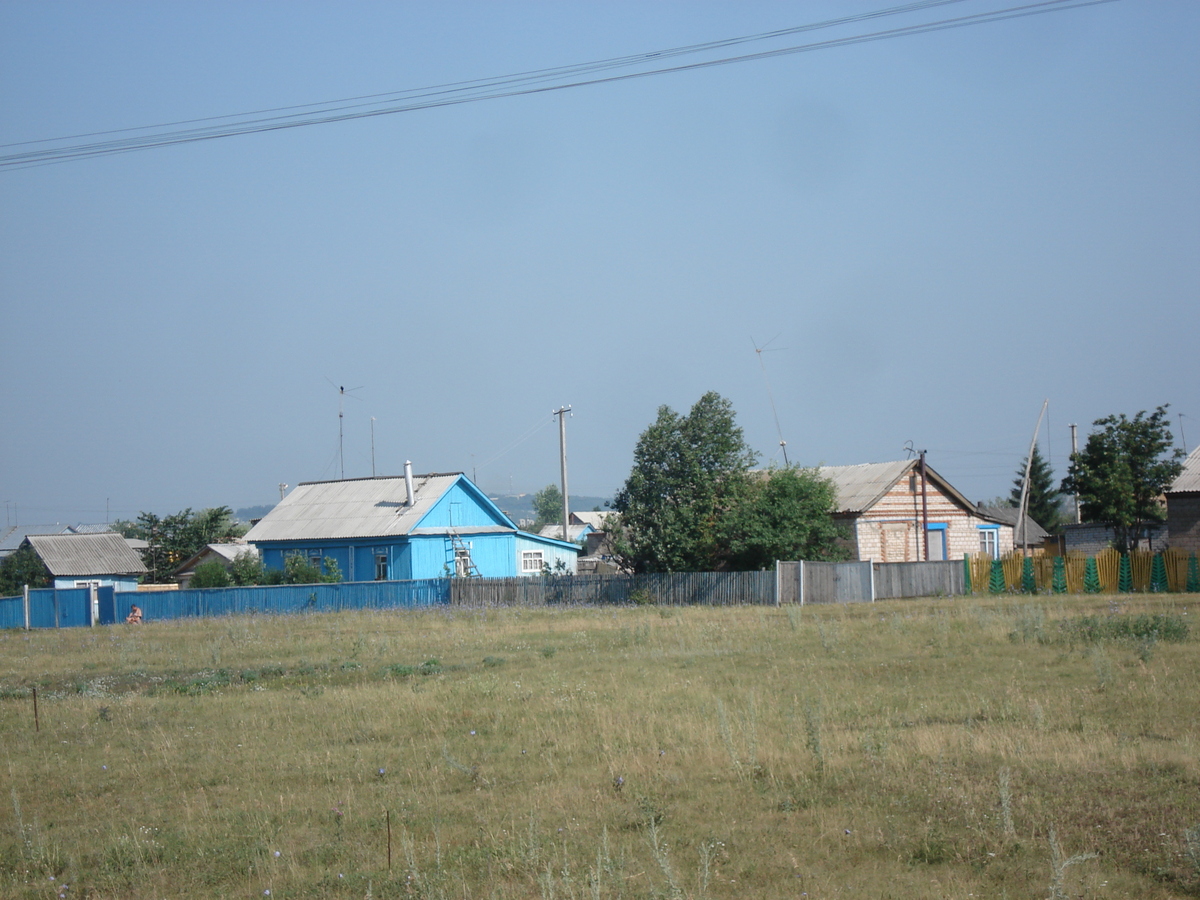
408,482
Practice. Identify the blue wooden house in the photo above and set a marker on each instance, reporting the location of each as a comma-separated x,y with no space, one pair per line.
394,529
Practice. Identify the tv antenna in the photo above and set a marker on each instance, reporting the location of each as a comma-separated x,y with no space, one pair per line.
342,393
770,396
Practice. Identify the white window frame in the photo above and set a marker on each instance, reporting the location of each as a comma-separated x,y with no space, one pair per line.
989,541
532,561
381,565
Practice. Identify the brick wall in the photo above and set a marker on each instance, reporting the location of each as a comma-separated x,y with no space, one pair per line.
891,530
1183,521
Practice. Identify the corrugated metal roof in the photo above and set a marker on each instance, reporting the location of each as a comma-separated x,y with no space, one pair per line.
860,487
73,555
1007,515
1189,478
593,518
574,532
355,508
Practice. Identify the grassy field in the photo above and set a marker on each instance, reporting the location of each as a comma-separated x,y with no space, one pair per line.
953,748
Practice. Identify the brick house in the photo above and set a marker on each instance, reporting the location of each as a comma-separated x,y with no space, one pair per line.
1183,506
889,508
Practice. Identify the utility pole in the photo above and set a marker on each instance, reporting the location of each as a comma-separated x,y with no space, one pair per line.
372,446
1074,451
561,412
925,505
1020,529
282,488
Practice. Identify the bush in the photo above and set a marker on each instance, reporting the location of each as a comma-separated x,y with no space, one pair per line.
210,574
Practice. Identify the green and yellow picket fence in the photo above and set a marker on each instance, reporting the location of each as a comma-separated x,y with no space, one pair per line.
1108,572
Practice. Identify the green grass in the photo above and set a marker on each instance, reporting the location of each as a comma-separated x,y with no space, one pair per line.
943,748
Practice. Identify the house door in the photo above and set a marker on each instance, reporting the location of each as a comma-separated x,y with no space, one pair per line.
937,542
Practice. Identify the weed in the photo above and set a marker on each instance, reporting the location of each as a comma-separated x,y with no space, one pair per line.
1006,804
1060,863
493,662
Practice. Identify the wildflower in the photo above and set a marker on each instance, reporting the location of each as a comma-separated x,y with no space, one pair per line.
277,854
472,732
105,768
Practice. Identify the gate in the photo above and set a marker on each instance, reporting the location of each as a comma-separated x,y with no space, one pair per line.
843,582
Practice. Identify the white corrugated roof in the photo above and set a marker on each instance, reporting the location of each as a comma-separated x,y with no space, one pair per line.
860,487
355,508
69,555
1189,478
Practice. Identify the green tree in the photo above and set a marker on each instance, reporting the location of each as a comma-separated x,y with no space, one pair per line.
22,567
246,568
785,514
299,569
687,472
210,574
1044,503
547,506
174,538
1122,471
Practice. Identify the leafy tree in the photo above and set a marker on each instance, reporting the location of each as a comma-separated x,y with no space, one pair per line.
786,514
176,537
246,568
547,506
1123,470
22,567
299,569
210,574
687,471
1044,502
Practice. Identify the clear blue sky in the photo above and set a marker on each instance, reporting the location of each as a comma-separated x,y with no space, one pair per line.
934,234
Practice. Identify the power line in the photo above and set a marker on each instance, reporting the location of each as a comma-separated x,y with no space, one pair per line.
521,84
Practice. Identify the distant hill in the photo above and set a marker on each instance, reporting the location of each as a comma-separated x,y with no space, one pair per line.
246,513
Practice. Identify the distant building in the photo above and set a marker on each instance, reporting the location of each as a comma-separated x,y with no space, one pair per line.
1183,506
418,526
224,553
80,560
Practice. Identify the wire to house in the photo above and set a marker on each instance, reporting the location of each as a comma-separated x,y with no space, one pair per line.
520,84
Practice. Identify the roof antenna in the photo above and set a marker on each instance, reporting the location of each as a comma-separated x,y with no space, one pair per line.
771,397
908,448
342,392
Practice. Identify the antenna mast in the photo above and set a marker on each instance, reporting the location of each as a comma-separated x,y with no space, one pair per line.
771,397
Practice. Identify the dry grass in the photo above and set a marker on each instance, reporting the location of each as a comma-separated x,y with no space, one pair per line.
907,749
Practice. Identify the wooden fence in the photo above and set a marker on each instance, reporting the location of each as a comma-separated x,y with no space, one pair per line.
1108,564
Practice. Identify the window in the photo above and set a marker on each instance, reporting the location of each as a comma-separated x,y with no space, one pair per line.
462,561
381,565
531,560
989,540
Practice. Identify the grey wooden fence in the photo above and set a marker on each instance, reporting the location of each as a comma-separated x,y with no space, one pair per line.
674,589
919,579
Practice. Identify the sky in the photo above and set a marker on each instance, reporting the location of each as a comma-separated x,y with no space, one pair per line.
926,236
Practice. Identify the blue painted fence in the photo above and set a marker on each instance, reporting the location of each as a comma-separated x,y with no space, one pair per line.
50,608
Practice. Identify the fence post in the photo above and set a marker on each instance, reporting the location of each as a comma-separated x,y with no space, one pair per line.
26,607
871,563
778,576
56,607
800,582
93,604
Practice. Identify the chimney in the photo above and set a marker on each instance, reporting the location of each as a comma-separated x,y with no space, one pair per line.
408,482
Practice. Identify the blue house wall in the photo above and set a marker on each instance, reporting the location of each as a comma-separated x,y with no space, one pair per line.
421,555
117,582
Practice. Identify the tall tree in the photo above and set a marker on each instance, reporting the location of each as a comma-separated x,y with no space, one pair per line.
687,470
1122,471
1044,503
547,506
691,503
782,514
22,567
174,538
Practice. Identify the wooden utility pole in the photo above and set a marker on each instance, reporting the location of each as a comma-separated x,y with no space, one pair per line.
1020,529
561,412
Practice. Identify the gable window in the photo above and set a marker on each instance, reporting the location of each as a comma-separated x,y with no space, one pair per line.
381,565
531,560
989,540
